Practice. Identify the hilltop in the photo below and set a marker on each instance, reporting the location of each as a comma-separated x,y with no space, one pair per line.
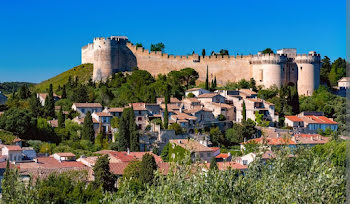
83,71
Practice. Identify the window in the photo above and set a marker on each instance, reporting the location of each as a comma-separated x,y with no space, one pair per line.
83,110
301,68
201,154
245,162
139,112
208,154
139,118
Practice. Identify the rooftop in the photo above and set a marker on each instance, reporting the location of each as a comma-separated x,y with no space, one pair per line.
87,105
208,95
191,145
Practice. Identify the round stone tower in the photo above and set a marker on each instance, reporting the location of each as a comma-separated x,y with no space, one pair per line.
309,66
268,69
111,55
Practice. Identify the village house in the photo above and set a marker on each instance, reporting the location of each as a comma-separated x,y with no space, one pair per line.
255,105
84,108
96,124
225,166
42,97
104,120
222,109
196,91
173,100
189,103
195,148
203,115
13,153
310,122
211,97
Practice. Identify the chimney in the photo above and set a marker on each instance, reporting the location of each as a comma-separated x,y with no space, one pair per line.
35,160
128,151
278,134
293,139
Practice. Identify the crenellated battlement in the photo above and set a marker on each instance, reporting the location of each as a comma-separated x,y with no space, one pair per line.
116,53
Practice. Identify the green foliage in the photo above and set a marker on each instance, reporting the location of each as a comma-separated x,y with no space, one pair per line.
244,111
45,132
24,92
103,177
325,70
20,122
260,120
128,136
203,52
35,105
221,117
88,132
179,153
216,136
138,45
148,167
223,52
49,108
306,178
61,118
165,152
6,137
84,71
338,71
157,47
166,116
213,164
207,80
190,95
10,87
178,129
267,51
79,94
268,93
334,151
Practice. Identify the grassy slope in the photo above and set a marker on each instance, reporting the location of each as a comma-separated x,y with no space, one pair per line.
83,71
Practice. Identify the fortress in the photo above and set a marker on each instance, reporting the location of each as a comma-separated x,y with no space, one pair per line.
116,53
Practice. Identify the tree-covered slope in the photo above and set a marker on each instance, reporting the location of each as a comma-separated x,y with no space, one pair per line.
9,87
83,72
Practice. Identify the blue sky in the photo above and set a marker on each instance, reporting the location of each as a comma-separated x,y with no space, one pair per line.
40,39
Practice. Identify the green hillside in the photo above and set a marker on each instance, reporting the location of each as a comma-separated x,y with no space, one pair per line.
83,71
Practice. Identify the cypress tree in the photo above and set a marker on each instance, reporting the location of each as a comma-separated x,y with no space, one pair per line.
64,92
123,138
166,117
61,118
50,104
9,183
203,52
134,136
207,80
88,132
103,175
244,111
215,85
35,105
213,164
148,166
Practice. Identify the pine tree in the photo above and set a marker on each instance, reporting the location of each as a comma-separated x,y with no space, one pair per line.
64,92
61,119
244,111
148,166
207,80
50,104
213,164
88,132
103,175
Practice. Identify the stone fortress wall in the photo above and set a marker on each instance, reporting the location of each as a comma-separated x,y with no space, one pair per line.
116,53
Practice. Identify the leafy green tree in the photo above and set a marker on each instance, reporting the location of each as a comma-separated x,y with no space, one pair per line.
45,132
102,174
178,129
213,165
235,134
267,51
157,47
148,166
260,121
221,117
207,80
338,71
216,136
79,94
20,122
88,132
252,84
165,153
190,95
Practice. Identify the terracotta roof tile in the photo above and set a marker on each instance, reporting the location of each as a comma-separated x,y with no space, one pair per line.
87,105
191,145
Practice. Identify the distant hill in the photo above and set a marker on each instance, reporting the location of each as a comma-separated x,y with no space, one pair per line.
83,71
9,87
